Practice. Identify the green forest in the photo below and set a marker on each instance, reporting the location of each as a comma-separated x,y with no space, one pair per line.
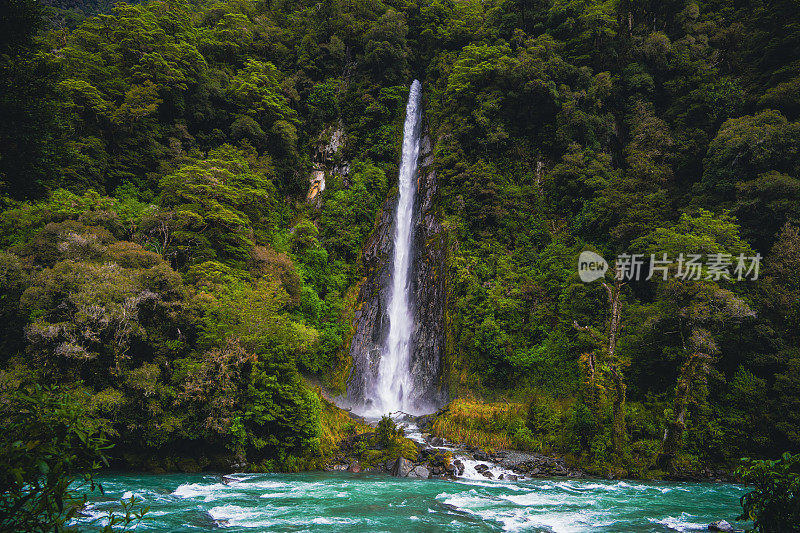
166,280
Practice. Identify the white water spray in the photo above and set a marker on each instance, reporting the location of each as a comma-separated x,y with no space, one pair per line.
395,383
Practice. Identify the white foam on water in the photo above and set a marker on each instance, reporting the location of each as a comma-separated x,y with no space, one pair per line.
570,522
242,476
546,500
266,516
679,523
234,515
207,492
471,473
89,514
268,484
531,510
485,482
320,520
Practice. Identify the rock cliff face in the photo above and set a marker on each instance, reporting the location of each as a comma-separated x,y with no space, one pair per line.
427,285
324,162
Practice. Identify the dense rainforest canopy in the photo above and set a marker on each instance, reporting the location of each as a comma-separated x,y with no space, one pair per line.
162,265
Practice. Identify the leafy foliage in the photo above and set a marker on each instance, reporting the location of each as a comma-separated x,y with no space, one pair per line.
773,504
50,450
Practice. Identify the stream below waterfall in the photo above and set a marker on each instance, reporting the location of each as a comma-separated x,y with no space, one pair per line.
326,501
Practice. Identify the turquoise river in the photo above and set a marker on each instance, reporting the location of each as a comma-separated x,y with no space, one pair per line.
323,501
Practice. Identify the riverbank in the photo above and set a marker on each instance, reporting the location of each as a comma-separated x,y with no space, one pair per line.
349,443
413,452
538,434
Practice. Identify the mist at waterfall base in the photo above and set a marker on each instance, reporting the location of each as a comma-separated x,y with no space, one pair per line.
327,501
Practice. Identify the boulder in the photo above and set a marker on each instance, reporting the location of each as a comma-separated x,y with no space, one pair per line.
481,468
720,525
355,467
425,453
419,472
487,474
480,456
389,465
402,467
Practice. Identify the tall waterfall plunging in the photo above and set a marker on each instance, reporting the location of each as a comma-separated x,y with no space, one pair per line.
394,383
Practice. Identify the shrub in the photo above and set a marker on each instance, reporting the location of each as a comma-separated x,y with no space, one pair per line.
49,450
387,432
774,503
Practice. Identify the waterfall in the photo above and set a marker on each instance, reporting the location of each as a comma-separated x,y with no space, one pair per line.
393,388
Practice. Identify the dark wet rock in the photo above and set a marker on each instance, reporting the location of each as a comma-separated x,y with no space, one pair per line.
511,477
459,466
433,454
481,456
535,465
487,474
355,467
420,472
389,465
421,445
450,468
720,525
481,468
425,453
402,467
202,519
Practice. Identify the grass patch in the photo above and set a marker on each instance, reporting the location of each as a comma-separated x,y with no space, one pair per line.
335,425
400,447
489,426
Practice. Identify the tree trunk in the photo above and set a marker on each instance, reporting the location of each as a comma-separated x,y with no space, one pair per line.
609,345
693,368
618,431
593,390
